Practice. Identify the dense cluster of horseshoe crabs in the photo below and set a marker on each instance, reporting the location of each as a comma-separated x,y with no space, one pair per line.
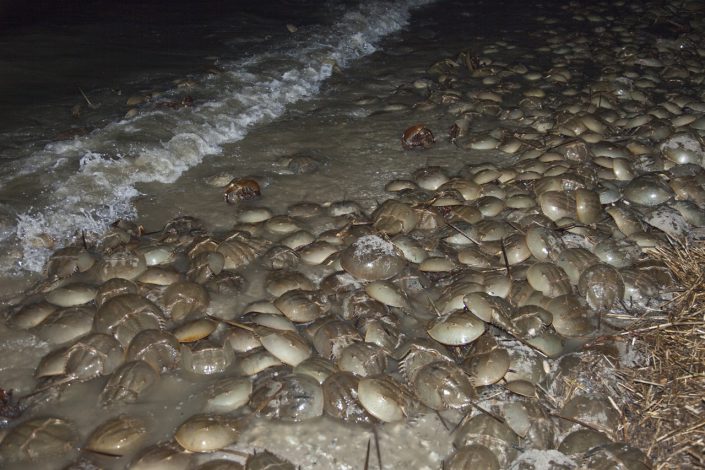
493,298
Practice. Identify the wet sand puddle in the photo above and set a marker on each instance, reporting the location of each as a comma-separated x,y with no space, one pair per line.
449,297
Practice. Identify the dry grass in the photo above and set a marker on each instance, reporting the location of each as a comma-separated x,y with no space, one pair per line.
666,416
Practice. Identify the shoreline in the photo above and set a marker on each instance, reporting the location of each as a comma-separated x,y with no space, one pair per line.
556,138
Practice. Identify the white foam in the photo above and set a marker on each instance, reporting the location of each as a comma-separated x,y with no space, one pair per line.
686,142
537,459
373,245
111,160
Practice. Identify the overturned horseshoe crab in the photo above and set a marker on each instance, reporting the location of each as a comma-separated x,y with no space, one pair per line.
241,189
416,137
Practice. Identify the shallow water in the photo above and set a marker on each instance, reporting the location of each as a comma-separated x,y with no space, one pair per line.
353,127
260,93
241,70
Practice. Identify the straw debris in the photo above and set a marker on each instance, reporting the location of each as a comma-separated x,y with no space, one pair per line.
666,410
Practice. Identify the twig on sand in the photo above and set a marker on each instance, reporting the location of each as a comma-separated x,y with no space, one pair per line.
88,101
443,421
379,452
367,457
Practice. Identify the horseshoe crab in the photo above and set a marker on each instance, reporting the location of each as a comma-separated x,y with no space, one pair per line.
117,436
65,325
372,258
162,456
125,264
240,249
341,398
205,357
363,359
128,382
182,299
487,363
208,432
487,431
442,384
69,260
159,349
384,399
267,461
38,439
394,217
456,328
91,356
472,456
71,295
302,306
241,189
292,397
229,394
125,315
417,137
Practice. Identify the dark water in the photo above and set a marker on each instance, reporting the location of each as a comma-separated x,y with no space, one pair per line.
50,49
